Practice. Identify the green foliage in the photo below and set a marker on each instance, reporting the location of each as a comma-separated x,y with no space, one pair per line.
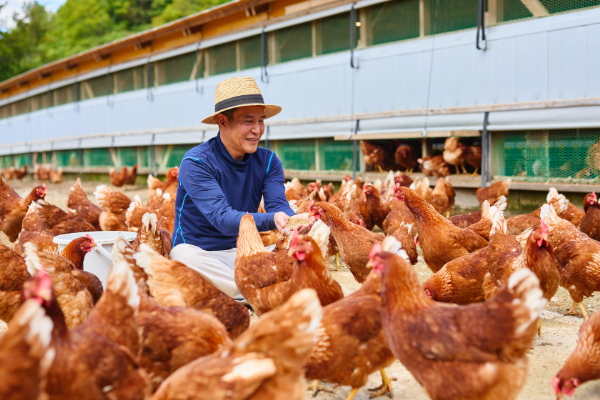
39,37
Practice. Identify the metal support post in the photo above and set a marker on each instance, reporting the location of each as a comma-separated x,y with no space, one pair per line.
355,150
153,156
481,27
352,35
485,153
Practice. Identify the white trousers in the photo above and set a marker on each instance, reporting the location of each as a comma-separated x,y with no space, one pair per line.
216,266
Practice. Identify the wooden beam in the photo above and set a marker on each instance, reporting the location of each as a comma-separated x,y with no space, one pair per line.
536,8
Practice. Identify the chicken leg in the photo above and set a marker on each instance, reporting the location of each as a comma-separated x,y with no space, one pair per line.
378,167
475,173
539,324
352,393
386,386
463,168
572,310
316,387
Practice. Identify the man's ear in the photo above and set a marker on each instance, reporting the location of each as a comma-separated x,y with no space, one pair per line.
221,120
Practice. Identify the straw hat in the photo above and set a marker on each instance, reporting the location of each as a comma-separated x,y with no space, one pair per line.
239,91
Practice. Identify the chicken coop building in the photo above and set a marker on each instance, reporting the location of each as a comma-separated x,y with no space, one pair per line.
519,77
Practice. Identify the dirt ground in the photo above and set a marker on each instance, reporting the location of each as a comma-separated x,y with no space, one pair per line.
549,352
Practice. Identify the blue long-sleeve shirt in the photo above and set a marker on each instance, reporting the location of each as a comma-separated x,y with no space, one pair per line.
215,191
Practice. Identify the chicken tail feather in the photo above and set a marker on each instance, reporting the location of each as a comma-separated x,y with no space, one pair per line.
526,286
122,282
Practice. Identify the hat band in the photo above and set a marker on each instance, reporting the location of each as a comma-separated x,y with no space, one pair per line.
239,101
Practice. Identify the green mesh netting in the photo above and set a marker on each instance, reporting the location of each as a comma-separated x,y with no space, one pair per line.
175,69
96,87
512,10
19,107
96,157
453,15
569,155
555,6
66,158
177,155
336,155
22,159
139,77
222,59
296,154
333,33
5,111
293,43
124,80
6,161
392,21
250,52
127,156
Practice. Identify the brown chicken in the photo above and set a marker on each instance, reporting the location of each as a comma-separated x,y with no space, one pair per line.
354,242
13,274
310,271
20,173
582,365
167,214
170,337
58,222
8,173
134,214
75,252
118,179
260,275
472,155
74,299
453,154
590,223
294,190
353,323
173,284
101,351
519,223
151,234
404,236
405,156
460,281
156,201
439,239
399,214
577,254
435,166
79,205
40,173
476,351
13,208
380,157
56,176
377,208
24,354
131,175
493,192
464,220
33,231
439,197
484,225
114,208
573,214
265,362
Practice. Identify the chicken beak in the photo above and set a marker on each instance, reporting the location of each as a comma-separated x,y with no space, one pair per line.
369,265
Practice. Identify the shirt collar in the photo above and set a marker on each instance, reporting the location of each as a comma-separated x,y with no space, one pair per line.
225,154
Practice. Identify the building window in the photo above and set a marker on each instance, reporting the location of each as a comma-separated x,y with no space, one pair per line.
222,58
293,43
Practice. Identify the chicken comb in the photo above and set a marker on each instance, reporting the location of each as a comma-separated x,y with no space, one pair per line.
594,195
376,249
544,227
90,238
347,178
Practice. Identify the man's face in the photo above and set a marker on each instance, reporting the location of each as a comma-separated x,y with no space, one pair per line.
242,134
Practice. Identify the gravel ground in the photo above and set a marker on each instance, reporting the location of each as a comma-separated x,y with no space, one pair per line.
549,352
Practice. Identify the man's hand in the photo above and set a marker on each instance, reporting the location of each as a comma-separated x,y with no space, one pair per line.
281,219
304,229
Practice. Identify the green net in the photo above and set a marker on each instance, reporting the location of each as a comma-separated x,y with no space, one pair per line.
293,43
222,58
555,6
22,159
510,10
176,155
333,34
568,156
96,157
391,21
175,69
5,161
19,107
127,156
452,15
5,111
296,154
336,155
124,80
250,52
66,158
96,87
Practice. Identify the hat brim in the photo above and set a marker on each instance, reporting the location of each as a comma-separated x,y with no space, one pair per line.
270,111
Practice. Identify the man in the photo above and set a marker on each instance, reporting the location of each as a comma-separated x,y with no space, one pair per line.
223,179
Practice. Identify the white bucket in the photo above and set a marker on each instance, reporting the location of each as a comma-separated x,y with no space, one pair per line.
99,260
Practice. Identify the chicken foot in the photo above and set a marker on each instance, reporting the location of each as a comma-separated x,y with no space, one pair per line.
475,173
352,393
539,324
572,310
378,167
386,386
316,387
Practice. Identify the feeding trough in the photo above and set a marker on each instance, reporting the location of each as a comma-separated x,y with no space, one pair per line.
99,261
